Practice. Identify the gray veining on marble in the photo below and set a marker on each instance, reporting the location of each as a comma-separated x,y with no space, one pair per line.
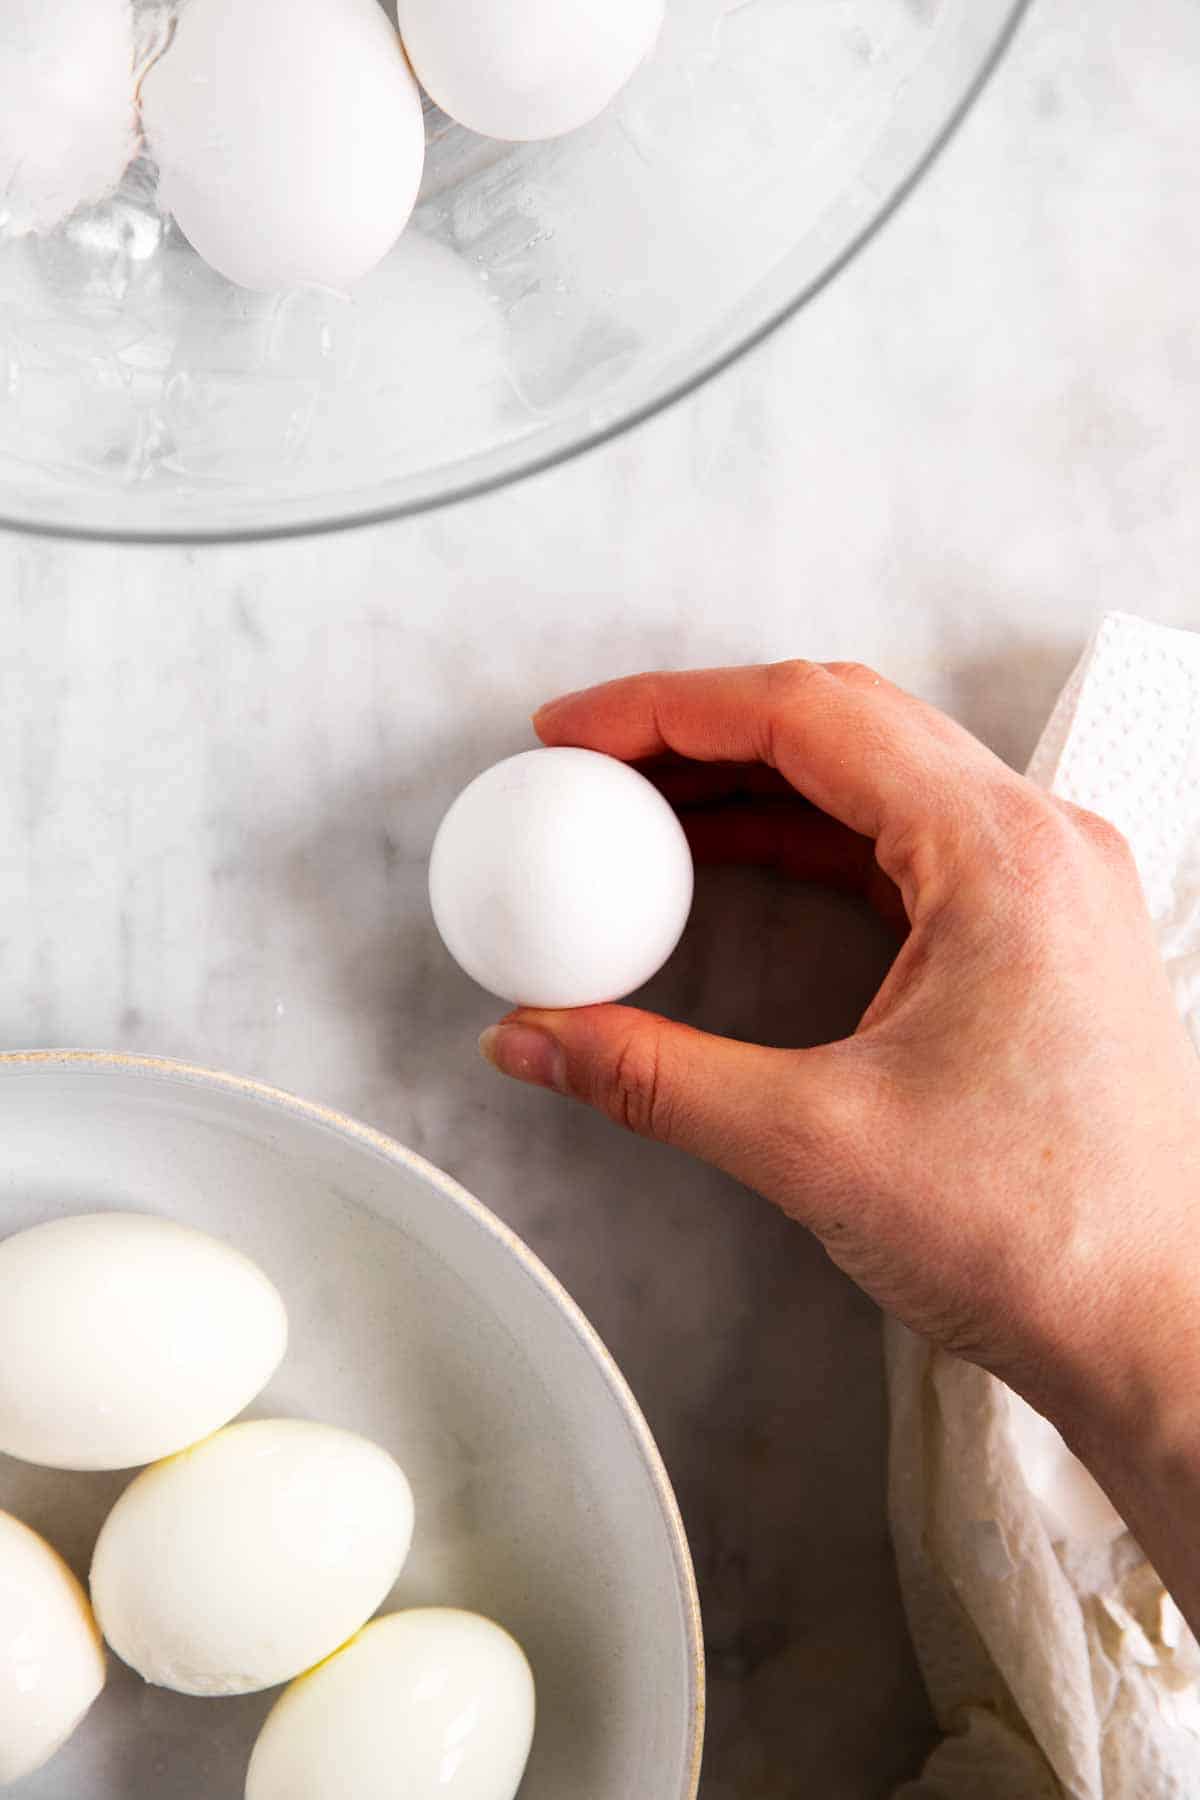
222,771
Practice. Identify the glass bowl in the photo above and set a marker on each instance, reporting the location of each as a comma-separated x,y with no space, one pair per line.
545,297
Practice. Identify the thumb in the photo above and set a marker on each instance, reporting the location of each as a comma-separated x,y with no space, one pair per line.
757,1113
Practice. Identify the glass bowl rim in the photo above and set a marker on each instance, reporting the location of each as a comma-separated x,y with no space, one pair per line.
471,487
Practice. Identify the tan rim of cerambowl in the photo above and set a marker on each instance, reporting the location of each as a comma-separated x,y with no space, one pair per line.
390,1151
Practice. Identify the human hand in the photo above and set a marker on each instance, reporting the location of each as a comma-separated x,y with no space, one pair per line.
1006,1153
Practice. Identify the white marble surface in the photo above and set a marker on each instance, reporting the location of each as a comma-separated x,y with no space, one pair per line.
221,773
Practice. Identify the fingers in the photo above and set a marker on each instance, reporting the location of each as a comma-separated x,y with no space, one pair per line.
881,762
750,1110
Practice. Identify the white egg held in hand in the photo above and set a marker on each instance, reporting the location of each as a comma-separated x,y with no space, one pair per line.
290,138
561,878
124,1338
51,1660
431,1705
68,122
530,69
252,1557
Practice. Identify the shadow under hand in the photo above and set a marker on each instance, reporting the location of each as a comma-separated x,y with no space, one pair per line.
772,961
760,1368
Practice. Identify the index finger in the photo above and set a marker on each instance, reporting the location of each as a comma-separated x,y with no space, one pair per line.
886,764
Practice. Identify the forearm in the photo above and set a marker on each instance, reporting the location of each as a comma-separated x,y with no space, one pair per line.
1139,1434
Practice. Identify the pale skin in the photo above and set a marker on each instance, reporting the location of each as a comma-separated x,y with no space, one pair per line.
1006,1153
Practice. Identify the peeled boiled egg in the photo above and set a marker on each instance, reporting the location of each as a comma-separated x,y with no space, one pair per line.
1073,1505
290,138
124,1338
560,878
533,70
251,1557
68,123
431,1704
51,1659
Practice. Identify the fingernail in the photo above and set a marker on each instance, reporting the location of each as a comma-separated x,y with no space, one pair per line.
526,1054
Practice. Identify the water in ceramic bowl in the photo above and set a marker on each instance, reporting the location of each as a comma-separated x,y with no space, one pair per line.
419,1321
545,295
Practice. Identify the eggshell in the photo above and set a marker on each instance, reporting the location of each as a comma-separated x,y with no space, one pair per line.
560,878
251,1557
527,68
51,1660
68,122
1073,1505
431,1705
290,138
124,1338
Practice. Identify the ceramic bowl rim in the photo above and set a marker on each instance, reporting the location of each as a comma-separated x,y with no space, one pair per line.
390,1150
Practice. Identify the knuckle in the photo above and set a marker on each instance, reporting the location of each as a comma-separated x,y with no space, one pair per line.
855,674
788,687
1038,835
1054,863
1022,862
1024,809
793,686
651,683
1103,836
635,1093
1057,842
789,681
793,679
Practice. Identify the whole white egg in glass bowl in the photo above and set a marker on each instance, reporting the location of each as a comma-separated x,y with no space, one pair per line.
544,294
418,1322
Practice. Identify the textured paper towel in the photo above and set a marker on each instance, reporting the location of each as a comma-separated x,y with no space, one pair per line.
1058,1668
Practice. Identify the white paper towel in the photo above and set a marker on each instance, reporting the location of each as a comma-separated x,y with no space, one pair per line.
1058,1668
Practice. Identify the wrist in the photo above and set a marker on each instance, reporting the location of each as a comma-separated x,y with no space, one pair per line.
1130,1410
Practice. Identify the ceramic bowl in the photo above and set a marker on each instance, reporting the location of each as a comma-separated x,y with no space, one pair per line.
420,1320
